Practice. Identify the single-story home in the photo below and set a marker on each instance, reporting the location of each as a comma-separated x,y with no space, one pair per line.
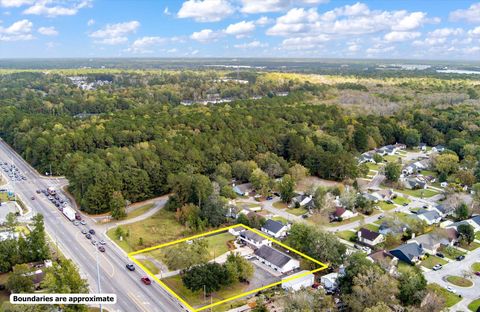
343,214
384,194
302,200
410,253
385,260
295,284
330,281
243,189
473,221
370,197
432,241
366,157
370,238
276,260
429,216
414,183
274,228
253,239
444,210
236,231
422,146
393,227
439,148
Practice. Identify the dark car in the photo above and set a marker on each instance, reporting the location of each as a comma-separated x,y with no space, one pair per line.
269,197
101,248
32,198
477,273
38,191
91,231
88,236
79,217
460,258
390,202
130,267
146,280
440,255
405,204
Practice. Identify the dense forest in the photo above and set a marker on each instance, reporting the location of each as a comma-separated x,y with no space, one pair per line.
124,139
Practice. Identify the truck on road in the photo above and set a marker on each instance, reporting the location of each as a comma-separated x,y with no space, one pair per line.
69,213
51,191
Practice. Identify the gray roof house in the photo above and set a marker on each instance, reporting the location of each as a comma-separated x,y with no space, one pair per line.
253,239
414,183
429,216
276,260
409,253
274,228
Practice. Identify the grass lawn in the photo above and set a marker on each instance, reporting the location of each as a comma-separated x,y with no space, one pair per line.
477,235
472,246
217,244
246,205
280,219
429,173
474,305
373,166
196,299
279,205
370,226
401,200
386,206
149,265
346,235
450,299
160,228
297,211
432,260
459,281
391,158
139,211
476,267
357,218
420,193
451,252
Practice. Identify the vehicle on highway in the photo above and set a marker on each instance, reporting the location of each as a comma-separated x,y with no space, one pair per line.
130,267
440,255
84,231
460,258
32,198
68,212
451,289
102,242
91,231
477,273
88,236
83,222
76,223
146,280
78,216
437,267
38,191
94,242
101,248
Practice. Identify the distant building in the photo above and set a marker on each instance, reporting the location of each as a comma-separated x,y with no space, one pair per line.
410,253
243,189
276,260
253,239
342,214
429,216
370,238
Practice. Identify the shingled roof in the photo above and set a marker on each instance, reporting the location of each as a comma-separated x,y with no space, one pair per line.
273,256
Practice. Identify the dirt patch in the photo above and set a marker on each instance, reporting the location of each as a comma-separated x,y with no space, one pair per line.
313,182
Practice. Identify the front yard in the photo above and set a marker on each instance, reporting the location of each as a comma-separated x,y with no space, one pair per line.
476,267
472,246
346,235
451,252
477,235
386,206
297,211
399,200
450,299
421,193
433,260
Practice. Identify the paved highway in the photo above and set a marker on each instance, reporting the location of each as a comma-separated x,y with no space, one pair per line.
132,295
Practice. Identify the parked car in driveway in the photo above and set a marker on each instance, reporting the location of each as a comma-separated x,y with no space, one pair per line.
146,280
440,255
437,267
460,258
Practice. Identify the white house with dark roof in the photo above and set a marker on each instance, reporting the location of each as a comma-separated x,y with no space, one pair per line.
236,231
429,216
274,228
253,239
306,280
370,238
276,260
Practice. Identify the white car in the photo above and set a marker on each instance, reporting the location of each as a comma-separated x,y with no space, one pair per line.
451,289
437,267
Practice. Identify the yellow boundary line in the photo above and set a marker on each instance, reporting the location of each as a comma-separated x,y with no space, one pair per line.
130,255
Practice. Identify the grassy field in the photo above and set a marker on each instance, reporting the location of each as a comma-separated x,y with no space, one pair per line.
217,244
280,219
196,299
429,173
425,193
432,260
386,206
476,267
279,205
450,299
459,281
373,166
474,305
357,218
399,200
370,226
346,235
391,158
139,211
150,266
297,211
472,246
160,228
451,252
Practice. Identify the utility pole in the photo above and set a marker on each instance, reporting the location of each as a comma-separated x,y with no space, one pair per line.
98,276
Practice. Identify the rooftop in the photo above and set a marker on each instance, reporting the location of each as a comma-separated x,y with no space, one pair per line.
273,256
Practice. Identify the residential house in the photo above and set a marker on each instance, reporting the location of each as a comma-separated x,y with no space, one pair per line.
302,200
414,183
400,146
330,281
385,260
369,238
388,149
474,222
342,214
243,189
366,157
384,194
438,149
305,280
410,169
276,260
236,231
393,227
274,228
431,242
410,253
429,216
443,184
444,210
253,239
370,197
422,146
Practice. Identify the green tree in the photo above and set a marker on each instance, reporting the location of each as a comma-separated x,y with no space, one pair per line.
20,280
411,137
462,212
117,206
319,198
412,286
393,171
184,256
287,188
466,232
446,163
37,241
360,138
306,300
11,221
377,158
298,172
209,277
242,170
260,181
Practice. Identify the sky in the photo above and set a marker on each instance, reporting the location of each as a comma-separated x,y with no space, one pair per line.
420,29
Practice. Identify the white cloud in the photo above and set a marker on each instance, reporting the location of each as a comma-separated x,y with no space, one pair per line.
353,47
114,34
91,22
205,35
295,21
475,32
240,29
472,14
445,32
145,44
51,8
300,43
166,11
205,10
265,6
48,31
400,36
251,45
378,49
14,3
264,20
18,31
